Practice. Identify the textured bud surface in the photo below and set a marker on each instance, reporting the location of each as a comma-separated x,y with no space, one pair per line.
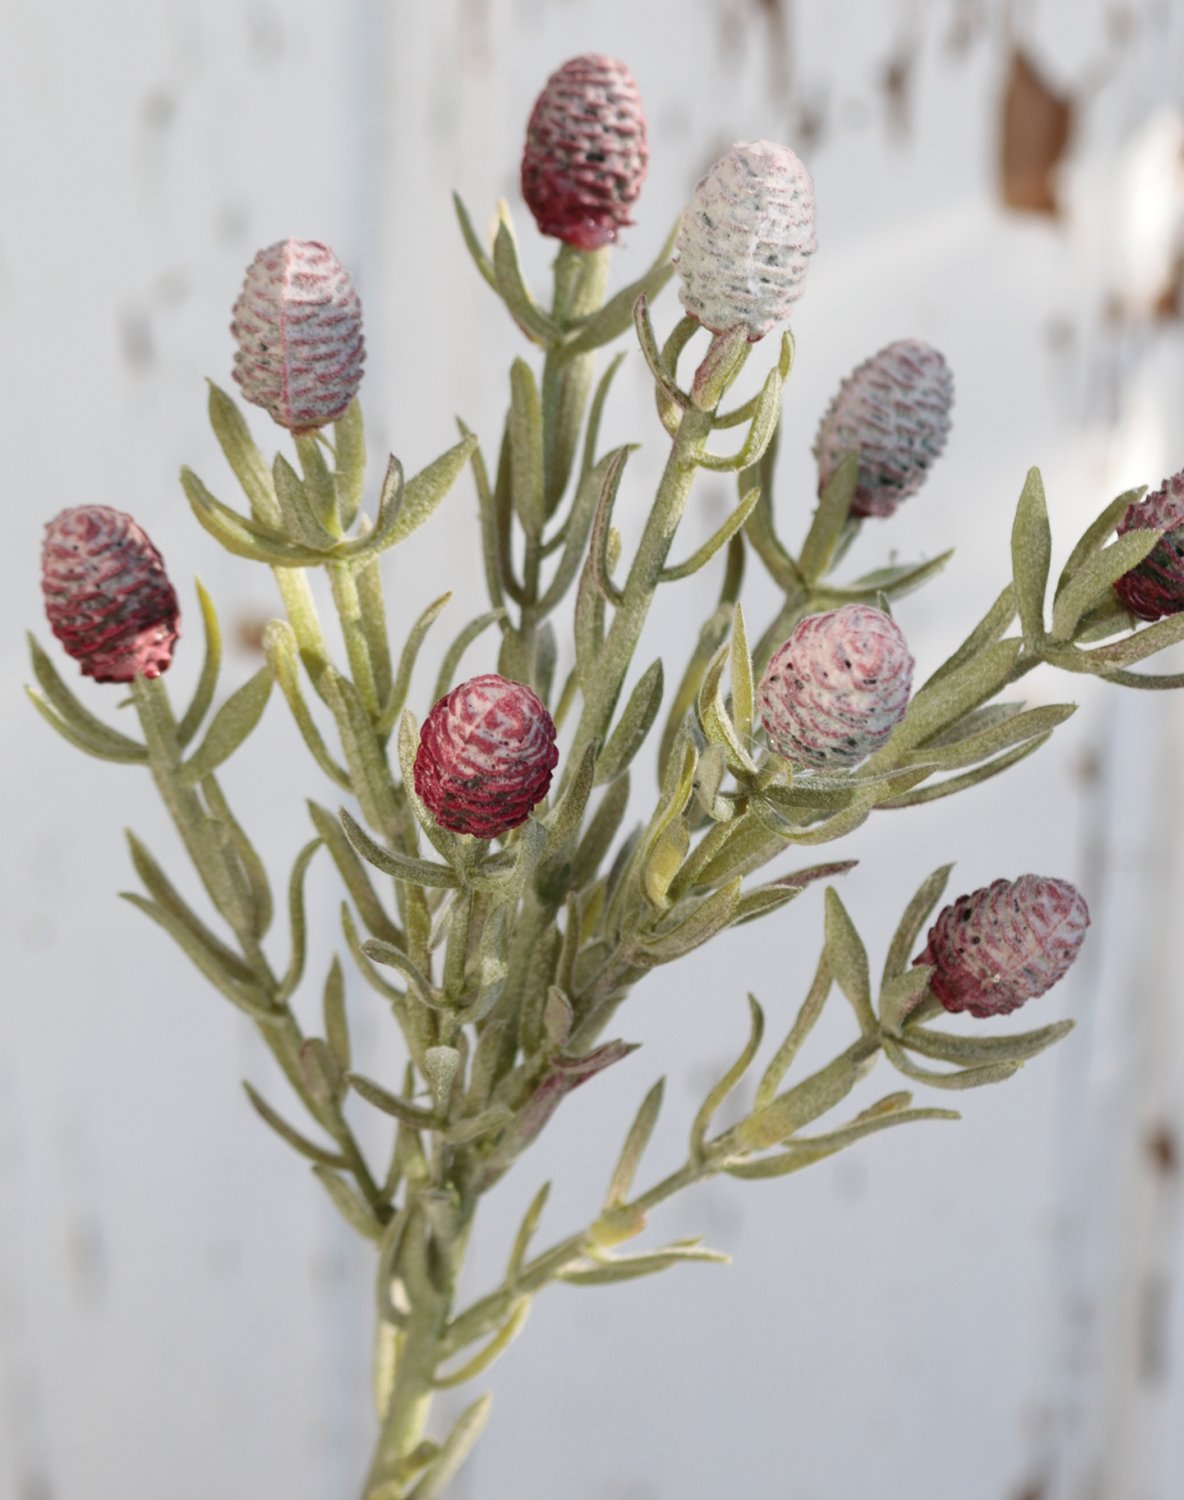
107,595
1005,944
586,153
895,408
486,753
298,327
746,239
836,689
1155,587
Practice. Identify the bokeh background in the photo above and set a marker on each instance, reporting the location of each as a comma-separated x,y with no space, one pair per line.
989,1310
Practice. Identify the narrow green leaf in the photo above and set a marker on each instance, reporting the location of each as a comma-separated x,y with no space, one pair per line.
805,1151
1016,1048
801,1105
1095,535
241,853
203,694
714,543
301,517
942,701
1014,729
336,1019
243,537
634,1148
1031,555
391,957
279,645
297,922
1140,644
630,1267
709,916
633,726
244,996
525,311
446,676
526,449
348,1203
600,833
306,1148
349,444
410,654
391,1104
162,891
848,961
229,727
662,373
480,258
720,1091
88,729
80,740
916,914
250,468
988,630
1092,582
353,873
834,507
526,1233
454,1450
421,872
973,777
616,316
966,1078
901,995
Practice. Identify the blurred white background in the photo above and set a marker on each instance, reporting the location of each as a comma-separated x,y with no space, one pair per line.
989,1310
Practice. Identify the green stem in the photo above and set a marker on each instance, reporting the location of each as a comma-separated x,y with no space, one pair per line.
601,693
349,610
220,874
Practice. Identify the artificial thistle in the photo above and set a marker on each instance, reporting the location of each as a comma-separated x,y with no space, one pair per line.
502,897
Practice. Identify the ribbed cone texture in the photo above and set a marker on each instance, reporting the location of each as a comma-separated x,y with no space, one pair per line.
837,688
107,595
895,408
486,753
746,239
298,327
586,152
1156,586
1005,944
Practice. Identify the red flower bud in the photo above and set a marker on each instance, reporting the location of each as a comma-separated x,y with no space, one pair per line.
1155,586
746,239
895,408
586,154
298,326
837,688
107,595
486,753
1005,944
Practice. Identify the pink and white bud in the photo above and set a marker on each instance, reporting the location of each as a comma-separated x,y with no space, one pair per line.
1155,587
895,408
298,327
746,239
107,595
1005,944
485,757
586,152
837,688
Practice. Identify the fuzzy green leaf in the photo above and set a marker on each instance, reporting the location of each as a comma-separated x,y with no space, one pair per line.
834,506
633,726
1031,555
720,1091
348,1203
299,1143
229,727
522,307
1092,582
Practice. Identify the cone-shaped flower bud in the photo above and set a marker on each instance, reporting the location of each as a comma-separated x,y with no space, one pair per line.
298,327
107,595
836,689
1005,944
486,753
1155,586
746,239
895,408
586,153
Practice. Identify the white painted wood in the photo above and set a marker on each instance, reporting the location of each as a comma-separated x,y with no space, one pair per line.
963,1310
